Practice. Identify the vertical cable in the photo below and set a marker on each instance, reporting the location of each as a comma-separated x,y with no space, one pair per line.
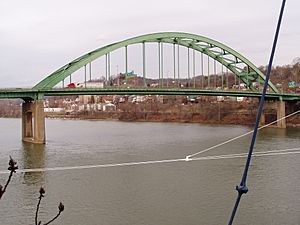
194,68
235,80
202,71
162,63
215,73
109,76
144,64
178,63
208,82
174,61
126,65
106,68
90,70
222,76
159,68
85,76
227,77
188,66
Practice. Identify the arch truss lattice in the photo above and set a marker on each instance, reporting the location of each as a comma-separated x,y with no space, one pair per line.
240,66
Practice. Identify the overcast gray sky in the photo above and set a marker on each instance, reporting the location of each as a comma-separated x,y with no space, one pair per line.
37,37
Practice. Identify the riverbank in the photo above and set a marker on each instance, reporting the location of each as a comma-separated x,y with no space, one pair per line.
232,113
204,112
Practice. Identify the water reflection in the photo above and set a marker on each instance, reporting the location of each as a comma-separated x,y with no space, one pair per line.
33,157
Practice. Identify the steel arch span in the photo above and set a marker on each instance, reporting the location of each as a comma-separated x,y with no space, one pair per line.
231,59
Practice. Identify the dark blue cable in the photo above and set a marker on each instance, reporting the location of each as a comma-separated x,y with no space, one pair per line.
242,188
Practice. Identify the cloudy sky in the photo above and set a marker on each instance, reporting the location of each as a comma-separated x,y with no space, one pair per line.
37,37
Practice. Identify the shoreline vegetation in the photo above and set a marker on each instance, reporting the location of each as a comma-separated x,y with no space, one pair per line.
234,119
204,112
158,121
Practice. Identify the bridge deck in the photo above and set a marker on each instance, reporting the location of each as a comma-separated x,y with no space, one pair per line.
39,94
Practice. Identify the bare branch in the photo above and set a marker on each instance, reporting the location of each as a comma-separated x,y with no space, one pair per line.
61,208
42,192
12,168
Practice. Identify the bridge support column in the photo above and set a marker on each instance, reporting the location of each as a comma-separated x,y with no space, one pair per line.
281,114
262,120
33,122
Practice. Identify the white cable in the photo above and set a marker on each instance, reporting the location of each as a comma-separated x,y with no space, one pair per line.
240,136
231,156
187,158
228,156
245,155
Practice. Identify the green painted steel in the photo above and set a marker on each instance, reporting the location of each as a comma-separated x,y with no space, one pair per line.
26,94
32,94
234,61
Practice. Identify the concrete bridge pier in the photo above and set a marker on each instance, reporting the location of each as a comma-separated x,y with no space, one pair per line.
281,114
262,119
33,122
277,107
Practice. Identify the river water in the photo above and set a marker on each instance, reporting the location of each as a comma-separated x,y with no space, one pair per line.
178,193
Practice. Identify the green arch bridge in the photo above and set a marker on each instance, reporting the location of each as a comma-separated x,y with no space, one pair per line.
206,82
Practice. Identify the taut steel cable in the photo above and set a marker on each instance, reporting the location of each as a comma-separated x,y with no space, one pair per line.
242,187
